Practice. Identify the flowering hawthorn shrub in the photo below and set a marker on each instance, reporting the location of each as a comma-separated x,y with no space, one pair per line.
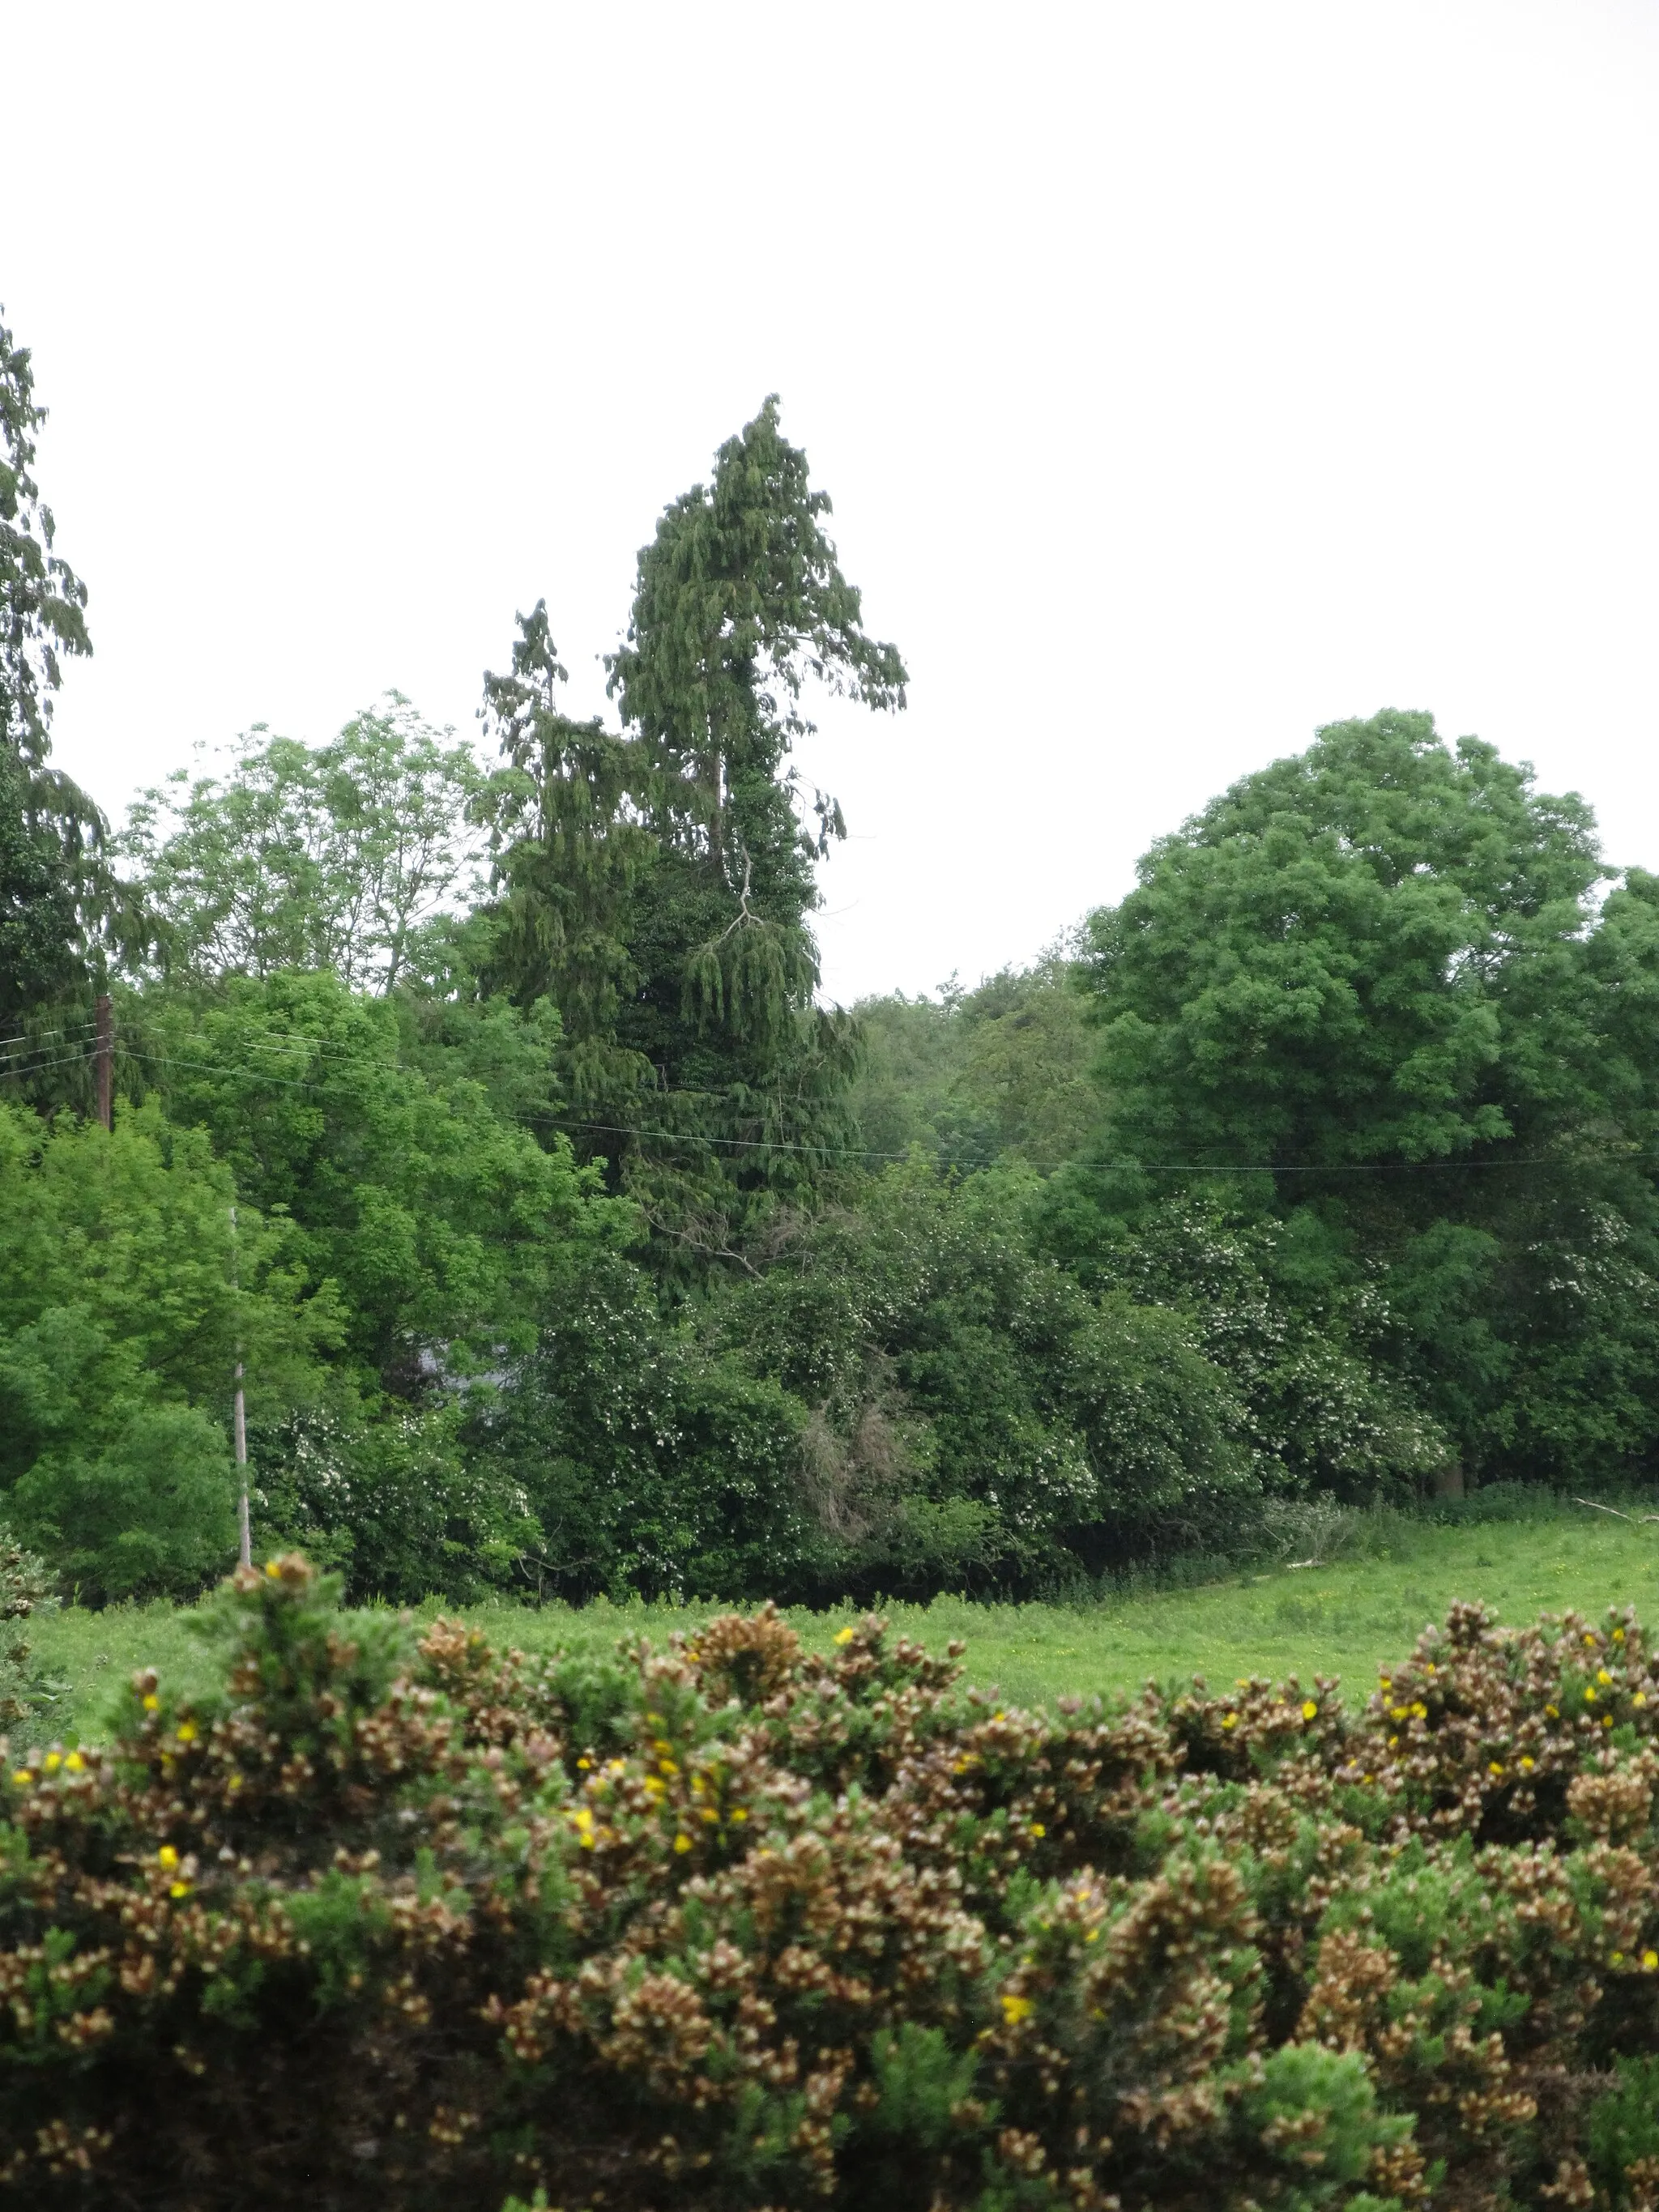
731,1926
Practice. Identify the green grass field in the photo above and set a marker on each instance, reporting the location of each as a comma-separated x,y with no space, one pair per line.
1342,1619
1332,1619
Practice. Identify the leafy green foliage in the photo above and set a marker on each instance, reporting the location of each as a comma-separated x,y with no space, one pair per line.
740,602
575,1279
392,1494
650,1462
1623,2134
728,1924
334,856
425,1231
61,910
999,1073
656,886
25,1591
570,857
39,919
121,1315
1377,972
972,1406
1353,956
1297,1340
42,601
431,1220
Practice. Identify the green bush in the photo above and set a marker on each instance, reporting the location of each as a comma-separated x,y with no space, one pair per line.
972,1405
396,1502
726,1926
25,1591
649,1460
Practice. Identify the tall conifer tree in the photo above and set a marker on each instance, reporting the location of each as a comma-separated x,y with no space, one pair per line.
659,886
571,849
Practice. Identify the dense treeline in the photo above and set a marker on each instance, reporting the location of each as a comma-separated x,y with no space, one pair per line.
482,1107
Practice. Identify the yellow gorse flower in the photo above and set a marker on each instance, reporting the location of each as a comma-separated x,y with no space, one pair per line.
1015,2009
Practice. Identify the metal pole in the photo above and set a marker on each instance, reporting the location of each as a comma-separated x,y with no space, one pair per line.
104,1054
238,1430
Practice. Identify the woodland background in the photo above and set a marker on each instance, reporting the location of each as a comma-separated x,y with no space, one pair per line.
478,1099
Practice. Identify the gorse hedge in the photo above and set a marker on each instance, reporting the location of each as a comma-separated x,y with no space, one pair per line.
728,1926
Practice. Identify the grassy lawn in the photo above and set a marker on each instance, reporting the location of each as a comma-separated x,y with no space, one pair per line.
1344,1619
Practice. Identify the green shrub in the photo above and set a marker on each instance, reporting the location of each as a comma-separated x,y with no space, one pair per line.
728,1926
25,1591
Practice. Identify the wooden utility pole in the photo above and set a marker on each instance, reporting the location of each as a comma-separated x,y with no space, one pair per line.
238,1430
104,1058
239,1423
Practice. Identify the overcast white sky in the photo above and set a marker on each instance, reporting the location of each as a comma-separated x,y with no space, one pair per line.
1184,376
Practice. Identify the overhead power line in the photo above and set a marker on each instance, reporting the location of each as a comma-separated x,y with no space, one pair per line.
569,1125
1104,1167
60,1059
219,1068
40,1036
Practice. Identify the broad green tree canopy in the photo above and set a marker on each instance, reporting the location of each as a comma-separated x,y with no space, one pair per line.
1367,952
